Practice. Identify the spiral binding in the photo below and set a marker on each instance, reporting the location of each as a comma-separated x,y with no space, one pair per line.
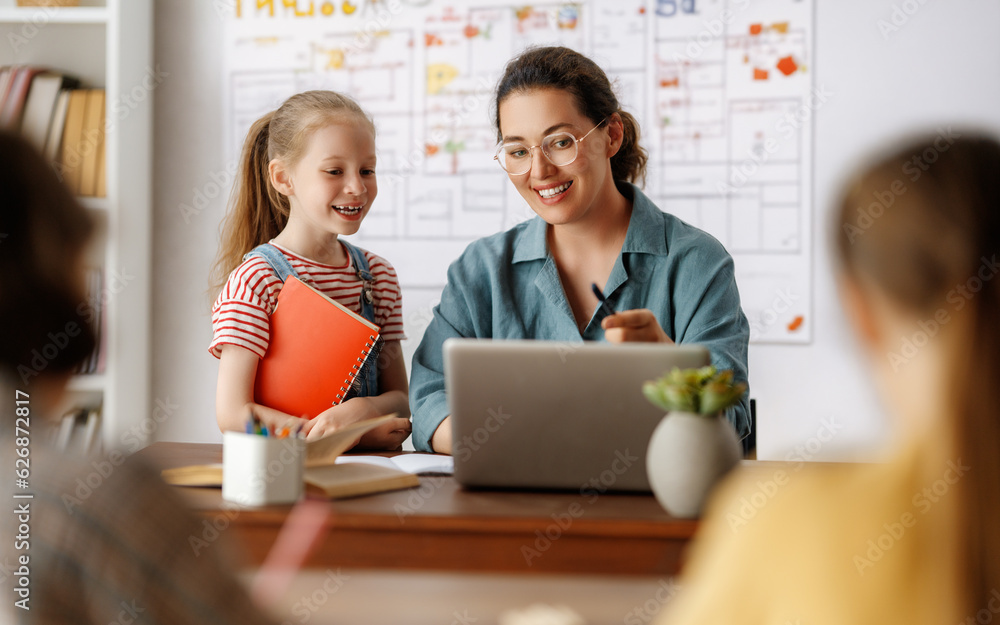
352,382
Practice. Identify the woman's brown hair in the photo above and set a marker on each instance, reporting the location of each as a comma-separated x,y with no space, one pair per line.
257,211
933,247
570,71
44,233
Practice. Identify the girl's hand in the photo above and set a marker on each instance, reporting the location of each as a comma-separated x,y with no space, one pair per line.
278,424
634,326
342,415
389,435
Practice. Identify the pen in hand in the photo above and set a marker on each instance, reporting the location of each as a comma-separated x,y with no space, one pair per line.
605,309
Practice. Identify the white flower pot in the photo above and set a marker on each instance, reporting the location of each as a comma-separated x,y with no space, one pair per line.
688,454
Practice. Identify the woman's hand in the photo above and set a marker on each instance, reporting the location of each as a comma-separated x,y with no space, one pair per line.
634,326
389,435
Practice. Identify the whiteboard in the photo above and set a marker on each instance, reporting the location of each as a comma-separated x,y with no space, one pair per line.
723,91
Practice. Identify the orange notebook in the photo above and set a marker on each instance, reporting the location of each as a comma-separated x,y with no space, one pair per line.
317,349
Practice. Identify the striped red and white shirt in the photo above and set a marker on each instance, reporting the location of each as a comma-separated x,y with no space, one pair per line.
241,313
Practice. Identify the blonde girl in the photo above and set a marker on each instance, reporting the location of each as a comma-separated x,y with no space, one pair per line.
307,176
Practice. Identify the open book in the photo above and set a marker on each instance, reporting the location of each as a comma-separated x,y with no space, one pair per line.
417,464
323,475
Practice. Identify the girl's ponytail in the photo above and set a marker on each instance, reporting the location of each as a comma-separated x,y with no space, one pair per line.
975,397
257,212
266,209
975,392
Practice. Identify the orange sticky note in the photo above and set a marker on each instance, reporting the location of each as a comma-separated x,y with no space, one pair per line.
787,66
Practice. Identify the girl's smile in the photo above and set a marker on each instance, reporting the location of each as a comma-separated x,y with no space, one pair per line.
350,212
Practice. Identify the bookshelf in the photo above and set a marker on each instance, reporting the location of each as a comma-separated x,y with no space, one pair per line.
108,44
54,15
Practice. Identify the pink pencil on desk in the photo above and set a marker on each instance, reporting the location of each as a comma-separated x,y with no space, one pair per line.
305,526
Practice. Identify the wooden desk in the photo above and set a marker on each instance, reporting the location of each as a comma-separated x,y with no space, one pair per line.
436,598
442,526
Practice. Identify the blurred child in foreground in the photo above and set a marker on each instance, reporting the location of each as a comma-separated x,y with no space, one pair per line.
915,539
100,540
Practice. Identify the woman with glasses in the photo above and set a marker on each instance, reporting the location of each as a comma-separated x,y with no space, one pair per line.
574,156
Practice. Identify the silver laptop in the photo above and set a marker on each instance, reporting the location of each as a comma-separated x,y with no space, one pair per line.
544,414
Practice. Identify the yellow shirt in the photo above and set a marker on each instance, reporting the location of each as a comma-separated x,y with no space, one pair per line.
842,544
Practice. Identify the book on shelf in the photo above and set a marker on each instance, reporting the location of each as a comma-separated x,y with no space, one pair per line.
92,432
40,109
323,474
7,74
93,142
17,94
101,327
101,189
93,313
66,427
317,349
79,431
70,163
62,121
54,137
82,141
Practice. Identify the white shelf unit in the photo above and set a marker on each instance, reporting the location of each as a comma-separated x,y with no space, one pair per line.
108,44
54,15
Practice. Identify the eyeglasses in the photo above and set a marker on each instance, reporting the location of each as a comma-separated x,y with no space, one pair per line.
561,148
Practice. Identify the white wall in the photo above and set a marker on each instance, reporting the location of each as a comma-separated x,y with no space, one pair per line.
942,67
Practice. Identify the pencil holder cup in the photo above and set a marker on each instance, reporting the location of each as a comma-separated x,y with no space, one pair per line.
260,470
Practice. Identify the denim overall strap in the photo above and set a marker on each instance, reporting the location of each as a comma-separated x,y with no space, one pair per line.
368,280
275,259
369,381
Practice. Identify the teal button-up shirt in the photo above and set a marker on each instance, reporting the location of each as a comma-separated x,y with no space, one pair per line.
507,286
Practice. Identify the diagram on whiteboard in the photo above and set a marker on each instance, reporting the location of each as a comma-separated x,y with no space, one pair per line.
722,89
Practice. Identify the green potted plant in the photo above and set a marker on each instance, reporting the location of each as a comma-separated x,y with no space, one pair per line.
694,445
